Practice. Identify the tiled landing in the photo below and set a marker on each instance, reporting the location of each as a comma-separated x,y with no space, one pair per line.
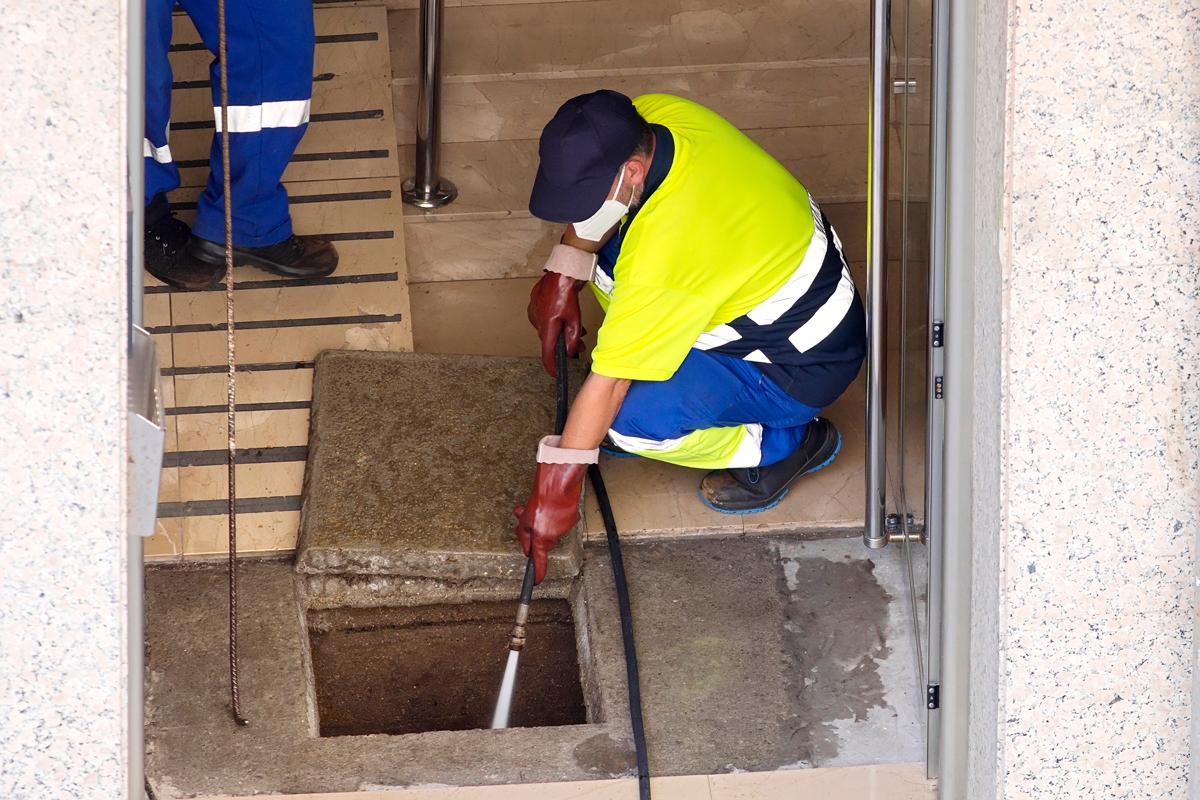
344,184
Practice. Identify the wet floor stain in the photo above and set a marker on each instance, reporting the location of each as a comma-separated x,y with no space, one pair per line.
835,632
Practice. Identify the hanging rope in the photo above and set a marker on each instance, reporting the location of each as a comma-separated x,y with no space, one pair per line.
230,364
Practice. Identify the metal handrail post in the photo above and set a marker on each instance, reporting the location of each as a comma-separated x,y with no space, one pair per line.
427,189
874,533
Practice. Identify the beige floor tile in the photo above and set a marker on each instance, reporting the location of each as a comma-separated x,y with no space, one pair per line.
166,352
166,544
289,303
168,485
650,498
271,386
610,34
281,479
172,434
278,428
257,533
156,310
274,345
883,782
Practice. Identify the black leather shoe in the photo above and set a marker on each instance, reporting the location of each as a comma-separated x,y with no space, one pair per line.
745,491
294,257
165,252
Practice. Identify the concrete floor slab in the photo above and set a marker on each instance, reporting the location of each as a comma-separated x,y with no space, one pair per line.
755,653
416,462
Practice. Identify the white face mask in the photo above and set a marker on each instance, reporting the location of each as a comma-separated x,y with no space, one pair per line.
594,227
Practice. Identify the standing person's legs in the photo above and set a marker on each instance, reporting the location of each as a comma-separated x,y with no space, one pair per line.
161,173
270,65
166,238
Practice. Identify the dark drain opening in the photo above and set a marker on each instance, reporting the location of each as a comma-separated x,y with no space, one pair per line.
438,667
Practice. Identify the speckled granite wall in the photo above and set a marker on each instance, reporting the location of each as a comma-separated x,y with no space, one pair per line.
1100,395
62,345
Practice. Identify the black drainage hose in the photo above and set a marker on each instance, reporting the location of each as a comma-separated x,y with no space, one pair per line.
622,585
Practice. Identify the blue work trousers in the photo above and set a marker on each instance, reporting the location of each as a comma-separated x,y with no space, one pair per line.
716,411
270,53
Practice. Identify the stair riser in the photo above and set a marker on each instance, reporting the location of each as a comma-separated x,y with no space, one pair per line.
751,99
608,34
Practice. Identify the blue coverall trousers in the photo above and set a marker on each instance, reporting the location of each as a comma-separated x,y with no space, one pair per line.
270,53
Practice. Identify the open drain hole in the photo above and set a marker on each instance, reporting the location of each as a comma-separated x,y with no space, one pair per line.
438,667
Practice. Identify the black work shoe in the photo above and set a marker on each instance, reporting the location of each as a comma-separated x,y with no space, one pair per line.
745,491
294,257
165,254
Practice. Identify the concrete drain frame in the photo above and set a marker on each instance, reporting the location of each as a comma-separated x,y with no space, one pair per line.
194,749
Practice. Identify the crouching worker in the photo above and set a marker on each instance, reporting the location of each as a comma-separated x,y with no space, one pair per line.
730,318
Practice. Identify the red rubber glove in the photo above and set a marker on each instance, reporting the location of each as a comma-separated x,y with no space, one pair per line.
554,306
552,510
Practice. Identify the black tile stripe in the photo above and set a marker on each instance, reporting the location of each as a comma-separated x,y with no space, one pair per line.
261,324
342,156
285,283
336,197
332,116
355,236
207,84
243,505
282,405
220,369
367,36
333,197
249,455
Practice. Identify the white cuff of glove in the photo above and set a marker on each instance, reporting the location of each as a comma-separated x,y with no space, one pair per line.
549,452
571,261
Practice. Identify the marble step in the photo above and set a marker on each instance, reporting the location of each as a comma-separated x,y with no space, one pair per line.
495,177
491,248
531,38
498,325
774,96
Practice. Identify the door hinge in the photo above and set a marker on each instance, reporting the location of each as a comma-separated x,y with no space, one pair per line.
939,334
938,387
933,696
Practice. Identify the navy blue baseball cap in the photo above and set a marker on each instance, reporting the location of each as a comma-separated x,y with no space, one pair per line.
581,149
